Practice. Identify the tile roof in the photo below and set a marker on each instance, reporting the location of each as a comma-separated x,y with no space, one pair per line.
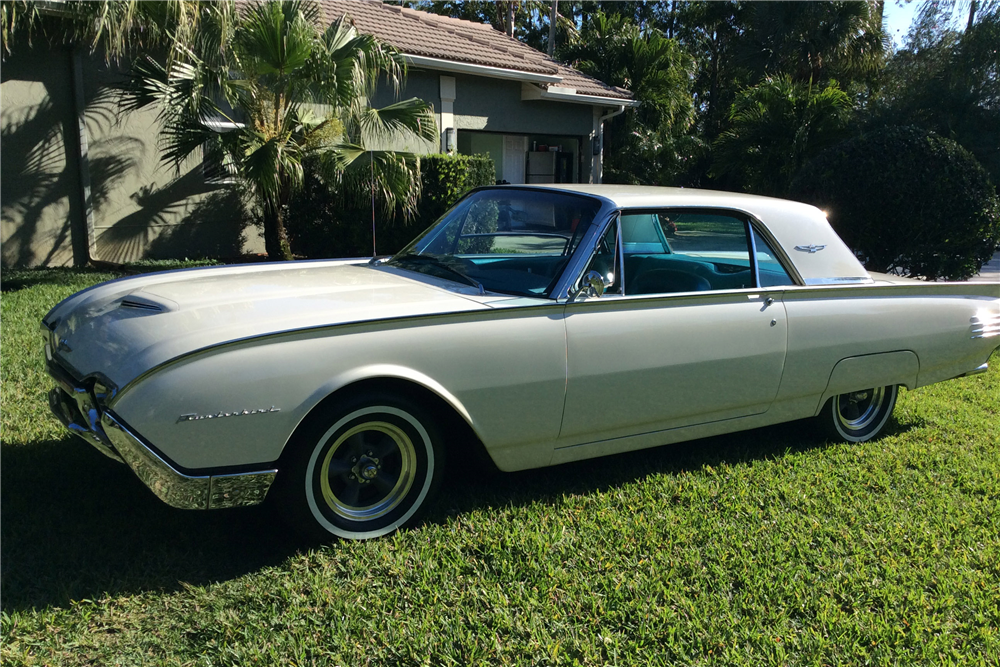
429,35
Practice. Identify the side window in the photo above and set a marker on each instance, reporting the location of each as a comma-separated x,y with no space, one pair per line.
685,250
770,270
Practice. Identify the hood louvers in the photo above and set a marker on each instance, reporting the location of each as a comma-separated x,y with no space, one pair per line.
140,305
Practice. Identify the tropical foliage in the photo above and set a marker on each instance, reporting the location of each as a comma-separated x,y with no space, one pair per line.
907,201
269,90
116,27
323,222
733,95
947,80
654,143
774,128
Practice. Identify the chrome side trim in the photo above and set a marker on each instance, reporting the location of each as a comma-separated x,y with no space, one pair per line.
852,280
180,490
985,326
976,371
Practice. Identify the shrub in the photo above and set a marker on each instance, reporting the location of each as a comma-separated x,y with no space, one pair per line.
907,201
445,178
321,223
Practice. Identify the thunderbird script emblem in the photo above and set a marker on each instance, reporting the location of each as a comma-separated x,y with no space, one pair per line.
194,416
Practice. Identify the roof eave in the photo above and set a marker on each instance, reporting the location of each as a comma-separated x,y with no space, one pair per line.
479,70
536,93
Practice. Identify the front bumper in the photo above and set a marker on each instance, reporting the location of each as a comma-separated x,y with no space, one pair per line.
78,410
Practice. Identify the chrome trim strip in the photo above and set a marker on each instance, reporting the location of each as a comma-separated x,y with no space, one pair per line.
847,280
976,371
985,326
180,490
402,320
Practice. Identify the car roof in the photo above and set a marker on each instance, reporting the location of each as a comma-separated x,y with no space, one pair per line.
823,258
638,196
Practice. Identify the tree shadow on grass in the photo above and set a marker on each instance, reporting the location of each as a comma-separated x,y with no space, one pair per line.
77,525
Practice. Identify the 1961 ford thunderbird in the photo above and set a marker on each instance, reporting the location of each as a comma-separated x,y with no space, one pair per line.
540,324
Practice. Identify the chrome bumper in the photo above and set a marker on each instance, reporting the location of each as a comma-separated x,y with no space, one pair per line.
77,411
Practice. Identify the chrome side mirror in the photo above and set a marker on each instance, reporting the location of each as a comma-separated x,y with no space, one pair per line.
594,284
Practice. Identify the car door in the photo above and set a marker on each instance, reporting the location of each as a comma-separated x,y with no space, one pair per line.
683,336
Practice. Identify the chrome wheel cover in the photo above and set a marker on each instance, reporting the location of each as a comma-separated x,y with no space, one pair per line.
368,471
857,410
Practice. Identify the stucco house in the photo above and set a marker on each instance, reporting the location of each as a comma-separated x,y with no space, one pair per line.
80,181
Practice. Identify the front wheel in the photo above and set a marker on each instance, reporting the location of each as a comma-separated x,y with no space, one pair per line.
364,470
858,416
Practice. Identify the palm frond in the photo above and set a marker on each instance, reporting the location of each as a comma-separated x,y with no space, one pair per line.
396,122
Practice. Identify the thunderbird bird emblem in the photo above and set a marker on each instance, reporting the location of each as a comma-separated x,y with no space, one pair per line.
811,249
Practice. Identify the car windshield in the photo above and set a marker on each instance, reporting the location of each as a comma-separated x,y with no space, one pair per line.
503,240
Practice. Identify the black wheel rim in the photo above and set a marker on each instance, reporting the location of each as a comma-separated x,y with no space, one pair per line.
368,471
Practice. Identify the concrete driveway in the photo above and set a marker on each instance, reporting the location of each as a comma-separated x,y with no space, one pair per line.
989,273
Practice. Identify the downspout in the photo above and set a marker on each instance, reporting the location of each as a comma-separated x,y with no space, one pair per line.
621,109
80,106
599,167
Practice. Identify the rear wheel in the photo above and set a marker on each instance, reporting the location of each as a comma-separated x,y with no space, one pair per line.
365,470
858,416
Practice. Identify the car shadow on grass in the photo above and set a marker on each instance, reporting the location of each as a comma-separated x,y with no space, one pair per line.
77,525
484,488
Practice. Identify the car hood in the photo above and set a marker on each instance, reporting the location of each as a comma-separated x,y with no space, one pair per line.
124,327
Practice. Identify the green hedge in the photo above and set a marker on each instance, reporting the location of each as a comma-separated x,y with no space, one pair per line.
321,224
445,178
906,200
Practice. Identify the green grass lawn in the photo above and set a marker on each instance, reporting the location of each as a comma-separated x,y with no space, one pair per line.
760,548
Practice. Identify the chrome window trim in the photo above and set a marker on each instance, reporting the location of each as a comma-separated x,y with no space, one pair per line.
753,253
620,253
757,225
605,216
748,220
783,259
574,268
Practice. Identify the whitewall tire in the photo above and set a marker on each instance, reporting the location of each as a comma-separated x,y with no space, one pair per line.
858,416
365,470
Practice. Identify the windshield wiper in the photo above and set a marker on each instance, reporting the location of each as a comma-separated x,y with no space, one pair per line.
436,261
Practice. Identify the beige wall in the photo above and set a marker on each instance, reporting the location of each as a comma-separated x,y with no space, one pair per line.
39,176
140,207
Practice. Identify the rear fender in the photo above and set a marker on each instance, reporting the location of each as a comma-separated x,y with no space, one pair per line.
872,370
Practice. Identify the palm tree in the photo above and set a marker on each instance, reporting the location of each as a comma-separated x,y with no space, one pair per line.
269,91
814,41
642,145
775,127
113,26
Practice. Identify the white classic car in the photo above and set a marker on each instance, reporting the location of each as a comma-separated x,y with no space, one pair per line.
540,324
